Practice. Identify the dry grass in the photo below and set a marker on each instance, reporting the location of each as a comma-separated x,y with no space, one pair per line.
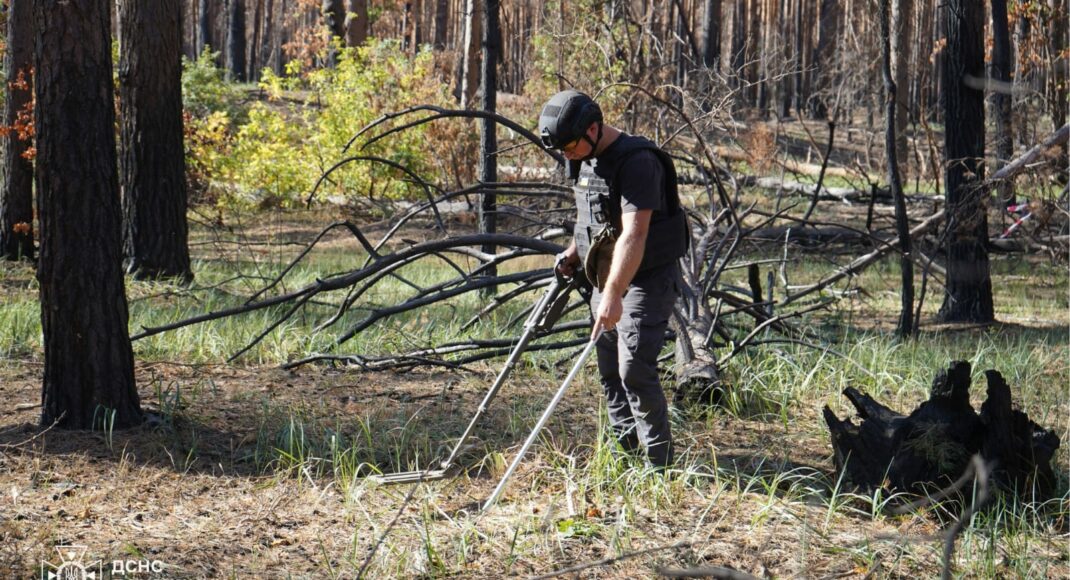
253,471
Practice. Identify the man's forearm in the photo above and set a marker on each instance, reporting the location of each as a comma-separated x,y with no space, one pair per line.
627,255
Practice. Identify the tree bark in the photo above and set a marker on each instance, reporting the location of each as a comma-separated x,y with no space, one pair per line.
152,159
1057,78
255,43
356,22
800,100
711,40
968,295
905,327
16,197
470,52
902,33
824,59
739,43
488,139
89,364
333,12
235,55
439,36
204,26
1001,97
267,37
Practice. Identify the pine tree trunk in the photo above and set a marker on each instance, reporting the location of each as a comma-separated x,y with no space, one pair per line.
204,26
1057,78
1001,98
89,364
824,59
356,22
16,197
488,139
440,35
268,35
152,159
254,44
905,327
902,33
333,13
969,283
786,92
711,40
470,52
739,42
235,55
800,51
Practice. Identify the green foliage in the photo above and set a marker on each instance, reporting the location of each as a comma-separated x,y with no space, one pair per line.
275,156
204,87
575,50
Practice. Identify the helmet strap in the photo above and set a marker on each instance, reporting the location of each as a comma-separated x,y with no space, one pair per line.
594,144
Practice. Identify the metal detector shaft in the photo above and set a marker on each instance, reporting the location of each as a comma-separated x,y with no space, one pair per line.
531,326
542,420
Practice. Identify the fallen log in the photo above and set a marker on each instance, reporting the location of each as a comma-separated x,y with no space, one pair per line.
934,444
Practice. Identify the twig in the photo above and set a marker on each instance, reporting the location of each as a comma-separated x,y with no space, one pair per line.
707,572
13,446
609,561
386,532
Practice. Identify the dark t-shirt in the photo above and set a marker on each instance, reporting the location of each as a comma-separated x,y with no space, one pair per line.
642,181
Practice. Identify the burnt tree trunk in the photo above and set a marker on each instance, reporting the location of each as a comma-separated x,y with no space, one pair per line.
235,53
934,444
901,41
1057,88
16,197
468,59
905,327
824,59
488,139
711,40
439,36
152,160
799,88
334,21
356,22
204,26
1001,97
968,296
89,364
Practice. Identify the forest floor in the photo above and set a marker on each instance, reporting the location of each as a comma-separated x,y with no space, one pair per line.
248,470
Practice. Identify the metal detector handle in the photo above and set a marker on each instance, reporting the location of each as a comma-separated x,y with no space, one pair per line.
545,417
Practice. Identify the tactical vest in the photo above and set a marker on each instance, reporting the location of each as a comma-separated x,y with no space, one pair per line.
598,206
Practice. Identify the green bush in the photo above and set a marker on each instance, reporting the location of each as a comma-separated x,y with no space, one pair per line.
281,147
205,89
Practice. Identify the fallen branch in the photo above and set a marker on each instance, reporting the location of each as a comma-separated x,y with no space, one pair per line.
862,262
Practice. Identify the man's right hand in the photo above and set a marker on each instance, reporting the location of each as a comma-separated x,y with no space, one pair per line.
568,261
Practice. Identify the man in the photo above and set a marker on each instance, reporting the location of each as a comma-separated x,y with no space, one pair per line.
630,232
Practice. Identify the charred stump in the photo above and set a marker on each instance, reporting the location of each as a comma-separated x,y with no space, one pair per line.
933,445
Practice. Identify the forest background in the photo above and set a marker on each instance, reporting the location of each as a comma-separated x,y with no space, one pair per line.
778,113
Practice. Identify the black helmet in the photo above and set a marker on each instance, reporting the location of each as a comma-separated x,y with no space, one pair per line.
565,118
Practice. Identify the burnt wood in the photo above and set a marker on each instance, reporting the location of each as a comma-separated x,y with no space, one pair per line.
934,443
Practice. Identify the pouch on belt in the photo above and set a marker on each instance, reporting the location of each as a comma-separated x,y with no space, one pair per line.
600,256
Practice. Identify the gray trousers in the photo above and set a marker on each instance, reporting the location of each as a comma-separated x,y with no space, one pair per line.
628,364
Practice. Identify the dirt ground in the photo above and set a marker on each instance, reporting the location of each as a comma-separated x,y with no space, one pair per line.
136,498
186,490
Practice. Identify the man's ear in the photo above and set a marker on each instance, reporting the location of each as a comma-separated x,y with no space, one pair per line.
592,130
